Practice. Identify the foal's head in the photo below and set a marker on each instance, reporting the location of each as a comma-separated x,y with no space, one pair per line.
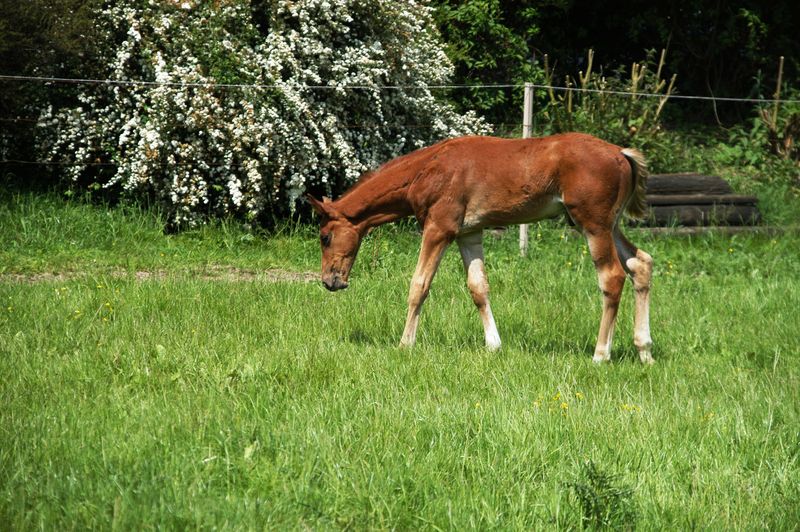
340,240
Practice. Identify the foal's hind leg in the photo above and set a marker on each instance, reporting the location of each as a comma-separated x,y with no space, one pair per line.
639,266
611,277
471,248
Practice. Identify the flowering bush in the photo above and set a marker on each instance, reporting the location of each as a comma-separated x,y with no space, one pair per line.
205,142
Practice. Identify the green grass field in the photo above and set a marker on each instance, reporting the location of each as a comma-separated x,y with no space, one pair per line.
207,393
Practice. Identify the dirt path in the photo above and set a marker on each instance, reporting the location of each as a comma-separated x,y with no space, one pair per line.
210,273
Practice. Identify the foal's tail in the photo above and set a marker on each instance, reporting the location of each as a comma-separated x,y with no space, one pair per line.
637,203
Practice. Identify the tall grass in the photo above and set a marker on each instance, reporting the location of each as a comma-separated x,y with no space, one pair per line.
47,233
181,402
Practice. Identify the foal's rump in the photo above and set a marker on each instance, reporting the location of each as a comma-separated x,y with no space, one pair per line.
598,181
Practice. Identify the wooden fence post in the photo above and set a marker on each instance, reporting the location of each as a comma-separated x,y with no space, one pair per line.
527,132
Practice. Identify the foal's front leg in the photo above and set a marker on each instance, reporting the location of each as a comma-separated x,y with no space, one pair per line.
471,248
434,243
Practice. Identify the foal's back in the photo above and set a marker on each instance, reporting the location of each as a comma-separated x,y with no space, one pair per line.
485,181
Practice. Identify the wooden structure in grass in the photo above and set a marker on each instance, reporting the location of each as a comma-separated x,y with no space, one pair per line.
697,200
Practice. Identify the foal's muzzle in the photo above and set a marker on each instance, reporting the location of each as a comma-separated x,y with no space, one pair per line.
334,282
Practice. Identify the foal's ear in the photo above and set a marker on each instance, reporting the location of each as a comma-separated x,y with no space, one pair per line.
319,206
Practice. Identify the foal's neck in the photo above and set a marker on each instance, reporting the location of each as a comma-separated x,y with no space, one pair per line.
376,199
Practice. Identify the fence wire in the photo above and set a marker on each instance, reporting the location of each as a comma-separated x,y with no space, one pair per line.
50,80
333,86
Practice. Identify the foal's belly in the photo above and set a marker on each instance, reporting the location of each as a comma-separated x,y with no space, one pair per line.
479,214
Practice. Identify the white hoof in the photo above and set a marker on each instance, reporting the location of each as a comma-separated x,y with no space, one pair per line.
406,344
646,357
645,347
600,358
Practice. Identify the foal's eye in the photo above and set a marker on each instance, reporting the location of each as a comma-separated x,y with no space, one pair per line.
325,239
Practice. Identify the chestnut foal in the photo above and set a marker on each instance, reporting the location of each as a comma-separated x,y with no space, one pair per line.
458,187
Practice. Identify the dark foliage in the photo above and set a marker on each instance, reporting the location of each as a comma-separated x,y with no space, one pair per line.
38,38
493,42
717,48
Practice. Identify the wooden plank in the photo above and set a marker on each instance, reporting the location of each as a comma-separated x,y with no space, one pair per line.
687,184
719,230
698,215
700,199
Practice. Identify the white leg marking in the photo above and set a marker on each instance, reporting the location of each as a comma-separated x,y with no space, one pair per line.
602,352
641,268
471,248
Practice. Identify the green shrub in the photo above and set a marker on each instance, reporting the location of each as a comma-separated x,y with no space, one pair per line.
604,503
595,105
490,42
